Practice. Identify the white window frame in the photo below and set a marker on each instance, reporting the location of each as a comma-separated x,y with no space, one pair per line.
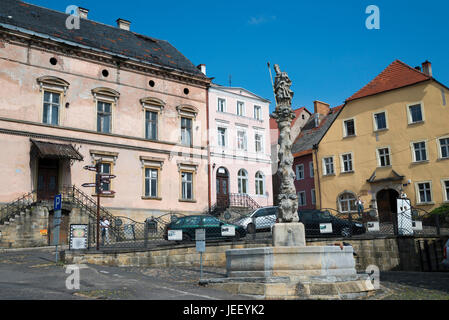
324,165
257,183
224,104
245,140
261,142
52,92
298,170
311,169
242,180
342,162
242,103
345,132
299,198
414,154
258,114
378,156
440,153
348,202
225,137
409,115
445,189
376,128
418,196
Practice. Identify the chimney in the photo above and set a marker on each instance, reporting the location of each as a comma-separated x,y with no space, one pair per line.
427,68
321,107
82,12
202,68
123,24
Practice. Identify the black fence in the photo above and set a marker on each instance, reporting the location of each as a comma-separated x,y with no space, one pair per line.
125,233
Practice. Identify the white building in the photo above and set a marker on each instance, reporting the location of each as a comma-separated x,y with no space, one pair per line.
239,135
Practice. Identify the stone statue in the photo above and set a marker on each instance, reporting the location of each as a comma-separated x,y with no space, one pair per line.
288,200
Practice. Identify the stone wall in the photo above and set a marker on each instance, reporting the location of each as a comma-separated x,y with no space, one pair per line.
24,230
387,253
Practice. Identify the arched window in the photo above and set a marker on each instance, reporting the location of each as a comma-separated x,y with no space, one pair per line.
243,181
346,202
260,184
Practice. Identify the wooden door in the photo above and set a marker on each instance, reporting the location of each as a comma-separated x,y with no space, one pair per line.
222,192
47,179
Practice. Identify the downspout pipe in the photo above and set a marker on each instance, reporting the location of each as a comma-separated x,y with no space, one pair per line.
315,150
208,153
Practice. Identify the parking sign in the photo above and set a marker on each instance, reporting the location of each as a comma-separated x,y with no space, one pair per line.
57,203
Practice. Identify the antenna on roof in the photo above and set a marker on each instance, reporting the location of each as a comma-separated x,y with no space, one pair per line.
230,80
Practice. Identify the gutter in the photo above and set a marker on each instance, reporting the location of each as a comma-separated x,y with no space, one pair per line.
315,149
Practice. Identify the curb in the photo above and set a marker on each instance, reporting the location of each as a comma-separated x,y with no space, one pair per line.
64,247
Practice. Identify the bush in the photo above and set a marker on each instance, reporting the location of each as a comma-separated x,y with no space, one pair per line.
442,212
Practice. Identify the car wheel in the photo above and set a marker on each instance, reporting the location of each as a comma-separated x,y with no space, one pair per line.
251,228
346,232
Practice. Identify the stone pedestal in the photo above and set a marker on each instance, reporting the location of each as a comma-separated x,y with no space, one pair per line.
289,235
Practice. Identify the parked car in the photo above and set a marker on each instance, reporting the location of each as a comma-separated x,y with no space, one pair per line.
212,225
258,220
445,256
313,221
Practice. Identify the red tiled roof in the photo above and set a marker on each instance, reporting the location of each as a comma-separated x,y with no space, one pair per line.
396,75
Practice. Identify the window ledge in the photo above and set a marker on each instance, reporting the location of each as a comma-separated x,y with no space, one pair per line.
380,130
351,171
151,198
425,203
329,175
186,200
442,159
351,136
420,162
385,167
415,123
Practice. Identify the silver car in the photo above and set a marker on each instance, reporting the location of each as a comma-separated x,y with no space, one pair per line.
260,219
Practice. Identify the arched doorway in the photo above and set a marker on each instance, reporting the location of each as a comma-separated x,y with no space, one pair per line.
387,204
222,188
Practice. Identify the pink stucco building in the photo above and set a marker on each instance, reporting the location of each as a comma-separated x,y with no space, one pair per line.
239,146
70,98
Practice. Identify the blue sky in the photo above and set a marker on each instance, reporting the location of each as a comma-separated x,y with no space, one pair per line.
323,45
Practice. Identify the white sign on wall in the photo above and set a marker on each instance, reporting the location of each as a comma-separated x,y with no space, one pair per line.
373,226
325,227
227,231
417,225
174,235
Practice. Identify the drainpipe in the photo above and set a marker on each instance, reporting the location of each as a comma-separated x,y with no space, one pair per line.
208,151
315,149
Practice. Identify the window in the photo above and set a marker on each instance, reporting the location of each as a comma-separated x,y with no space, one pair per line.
424,192
313,196
311,169
105,168
243,181
257,112
384,157
328,164
346,202
187,185
346,160
151,182
299,172
104,117
222,137
444,148
221,105
258,142
419,151
301,198
260,190
446,190
186,131
51,107
240,108
242,141
349,126
151,125
415,113
380,121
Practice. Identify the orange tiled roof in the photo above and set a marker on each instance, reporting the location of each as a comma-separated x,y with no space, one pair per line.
396,75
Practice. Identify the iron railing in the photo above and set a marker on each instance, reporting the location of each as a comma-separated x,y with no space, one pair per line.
243,201
14,208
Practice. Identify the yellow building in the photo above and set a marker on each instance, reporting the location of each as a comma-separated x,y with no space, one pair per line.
391,136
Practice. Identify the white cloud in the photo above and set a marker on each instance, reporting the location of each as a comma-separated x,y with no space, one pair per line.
261,19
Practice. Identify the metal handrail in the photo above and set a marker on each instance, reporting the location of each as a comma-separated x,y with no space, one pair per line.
242,200
11,209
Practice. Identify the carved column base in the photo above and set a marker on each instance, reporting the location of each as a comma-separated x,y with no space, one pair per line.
289,235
